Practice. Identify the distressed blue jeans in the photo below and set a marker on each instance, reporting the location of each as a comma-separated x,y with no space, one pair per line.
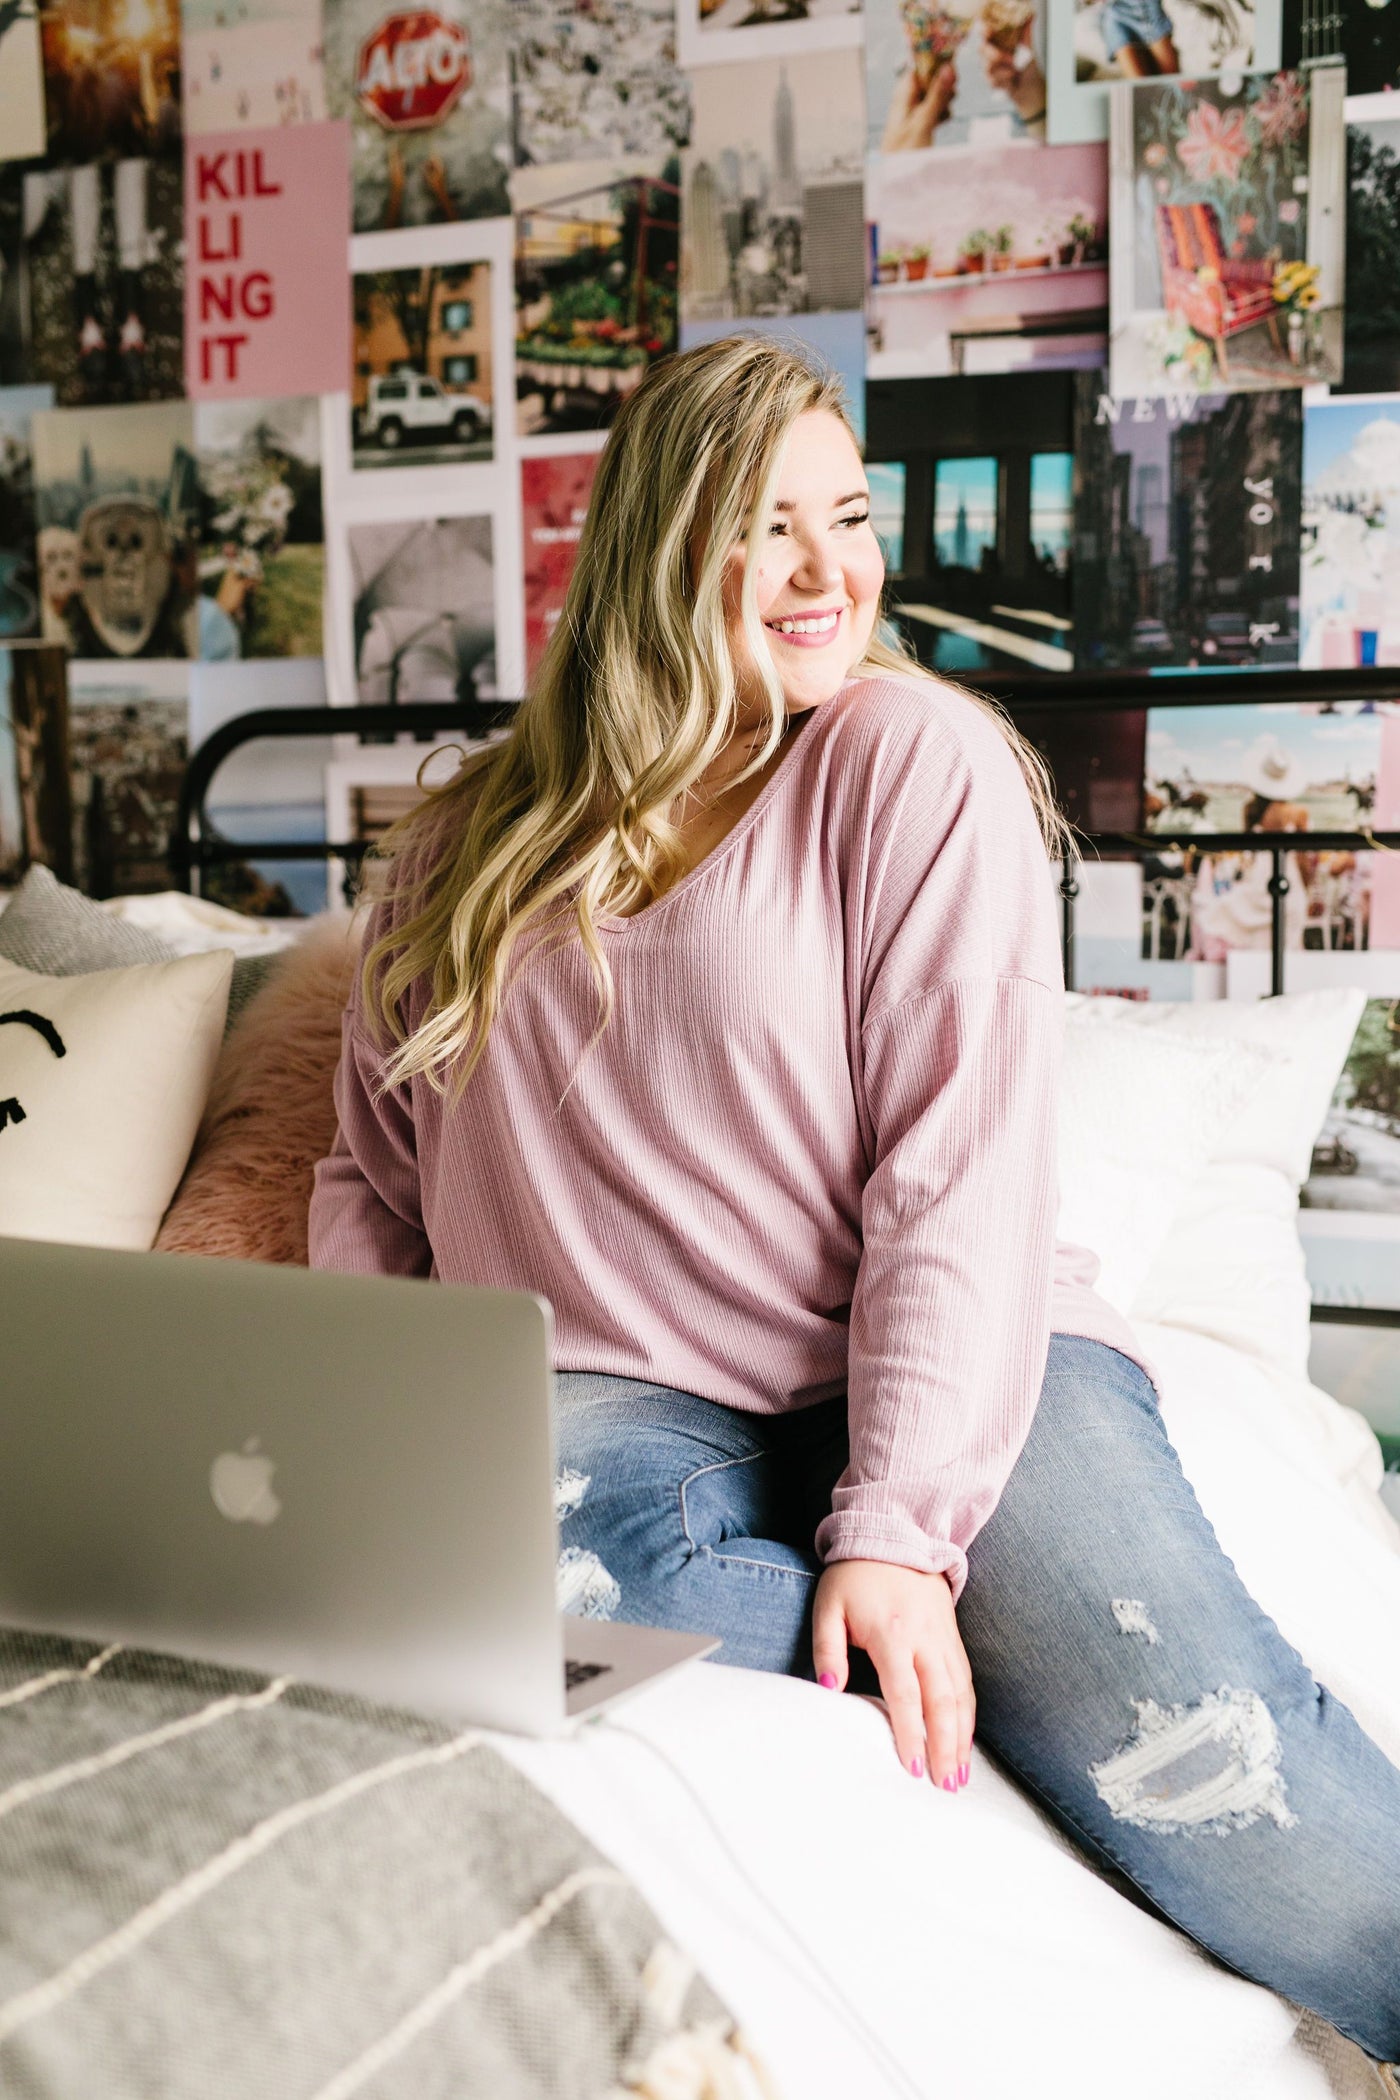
1124,1675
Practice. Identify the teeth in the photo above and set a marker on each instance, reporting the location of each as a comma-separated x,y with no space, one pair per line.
822,626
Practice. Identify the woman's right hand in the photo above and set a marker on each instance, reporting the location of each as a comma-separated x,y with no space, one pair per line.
907,1625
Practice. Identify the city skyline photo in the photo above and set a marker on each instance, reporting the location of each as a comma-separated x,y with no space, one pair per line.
774,215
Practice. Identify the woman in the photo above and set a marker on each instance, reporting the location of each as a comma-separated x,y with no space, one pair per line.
825,1381
1138,38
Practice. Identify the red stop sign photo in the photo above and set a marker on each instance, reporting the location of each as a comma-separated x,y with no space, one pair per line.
412,69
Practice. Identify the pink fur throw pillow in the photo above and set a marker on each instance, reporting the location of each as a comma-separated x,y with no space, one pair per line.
270,1116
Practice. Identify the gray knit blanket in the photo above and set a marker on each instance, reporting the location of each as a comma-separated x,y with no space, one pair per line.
218,1887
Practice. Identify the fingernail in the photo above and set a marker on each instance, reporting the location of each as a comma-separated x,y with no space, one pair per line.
916,1766
950,1785
828,1678
964,1774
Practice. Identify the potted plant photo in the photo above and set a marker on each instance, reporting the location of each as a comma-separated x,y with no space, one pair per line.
916,262
887,266
1003,241
972,255
1081,234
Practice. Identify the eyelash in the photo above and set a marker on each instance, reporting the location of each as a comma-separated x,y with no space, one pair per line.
855,518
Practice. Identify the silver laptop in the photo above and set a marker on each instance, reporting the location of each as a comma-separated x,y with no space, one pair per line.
345,1479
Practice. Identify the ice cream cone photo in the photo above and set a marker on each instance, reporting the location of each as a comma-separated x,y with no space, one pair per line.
935,34
1005,23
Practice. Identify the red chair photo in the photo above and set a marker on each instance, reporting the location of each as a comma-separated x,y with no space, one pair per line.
1213,292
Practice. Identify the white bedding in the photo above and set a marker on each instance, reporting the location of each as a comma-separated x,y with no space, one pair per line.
987,1957
964,1931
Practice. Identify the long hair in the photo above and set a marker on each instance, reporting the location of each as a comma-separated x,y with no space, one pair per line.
571,816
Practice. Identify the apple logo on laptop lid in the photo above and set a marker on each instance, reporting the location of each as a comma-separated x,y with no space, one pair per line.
241,1485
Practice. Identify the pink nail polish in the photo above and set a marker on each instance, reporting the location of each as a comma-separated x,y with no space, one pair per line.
950,1785
828,1679
964,1774
916,1766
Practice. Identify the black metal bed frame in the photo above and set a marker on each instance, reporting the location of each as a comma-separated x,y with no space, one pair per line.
196,846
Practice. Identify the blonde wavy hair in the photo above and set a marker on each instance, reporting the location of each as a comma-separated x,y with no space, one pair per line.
573,815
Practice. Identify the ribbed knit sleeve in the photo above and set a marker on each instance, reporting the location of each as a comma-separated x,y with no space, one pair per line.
960,1049
366,1200
368,1195
950,1321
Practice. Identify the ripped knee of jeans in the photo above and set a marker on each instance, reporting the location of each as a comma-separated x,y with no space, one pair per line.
582,1585
570,1487
1202,1769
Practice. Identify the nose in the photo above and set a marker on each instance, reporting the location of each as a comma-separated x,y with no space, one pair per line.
818,569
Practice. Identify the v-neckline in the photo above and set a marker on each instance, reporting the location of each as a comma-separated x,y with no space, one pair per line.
741,825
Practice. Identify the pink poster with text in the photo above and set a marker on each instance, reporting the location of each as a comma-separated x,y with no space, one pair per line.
267,262
554,501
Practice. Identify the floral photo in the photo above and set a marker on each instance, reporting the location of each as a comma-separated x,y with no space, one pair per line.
1228,231
261,559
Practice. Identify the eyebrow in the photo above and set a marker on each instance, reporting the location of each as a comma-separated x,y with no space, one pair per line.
858,496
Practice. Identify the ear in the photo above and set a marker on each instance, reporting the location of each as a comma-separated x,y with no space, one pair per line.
10,1112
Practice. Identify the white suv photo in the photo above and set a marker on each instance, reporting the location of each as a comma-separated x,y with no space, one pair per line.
410,406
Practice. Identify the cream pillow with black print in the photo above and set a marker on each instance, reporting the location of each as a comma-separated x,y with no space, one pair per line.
103,1080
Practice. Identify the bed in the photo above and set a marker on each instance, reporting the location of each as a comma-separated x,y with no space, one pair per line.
811,1924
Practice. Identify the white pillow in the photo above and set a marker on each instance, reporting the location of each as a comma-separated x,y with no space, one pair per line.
1141,1114
103,1080
1230,1264
190,925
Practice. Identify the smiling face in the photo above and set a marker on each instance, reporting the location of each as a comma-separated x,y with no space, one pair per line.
820,571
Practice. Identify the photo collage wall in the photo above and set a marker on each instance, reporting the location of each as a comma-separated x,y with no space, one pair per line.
314,316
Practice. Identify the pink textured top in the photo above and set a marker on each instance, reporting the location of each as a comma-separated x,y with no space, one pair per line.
813,1150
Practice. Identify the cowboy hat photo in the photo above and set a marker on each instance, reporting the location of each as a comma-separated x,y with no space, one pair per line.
1272,772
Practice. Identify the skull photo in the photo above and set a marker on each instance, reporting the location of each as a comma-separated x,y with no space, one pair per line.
126,556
